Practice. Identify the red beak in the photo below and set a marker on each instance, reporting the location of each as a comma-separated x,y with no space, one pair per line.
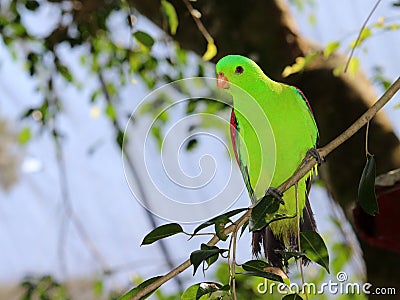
222,81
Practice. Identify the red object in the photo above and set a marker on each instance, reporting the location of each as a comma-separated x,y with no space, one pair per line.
381,230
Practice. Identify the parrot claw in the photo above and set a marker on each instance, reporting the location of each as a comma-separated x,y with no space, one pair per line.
313,152
274,192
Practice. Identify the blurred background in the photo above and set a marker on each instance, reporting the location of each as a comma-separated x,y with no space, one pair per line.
80,81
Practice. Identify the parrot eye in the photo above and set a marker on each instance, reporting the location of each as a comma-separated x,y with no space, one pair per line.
239,70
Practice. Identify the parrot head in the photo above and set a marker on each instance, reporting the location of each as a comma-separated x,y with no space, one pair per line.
237,70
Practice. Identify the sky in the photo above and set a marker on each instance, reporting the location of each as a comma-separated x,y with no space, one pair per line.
100,190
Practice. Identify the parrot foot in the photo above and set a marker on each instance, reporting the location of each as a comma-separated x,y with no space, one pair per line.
274,192
313,152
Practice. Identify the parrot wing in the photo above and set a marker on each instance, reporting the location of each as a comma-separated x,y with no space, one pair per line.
309,109
235,129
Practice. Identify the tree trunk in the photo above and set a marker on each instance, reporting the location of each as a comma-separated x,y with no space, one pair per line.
265,31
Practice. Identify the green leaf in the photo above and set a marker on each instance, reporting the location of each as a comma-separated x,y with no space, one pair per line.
330,48
110,112
98,287
211,259
213,220
314,248
64,71
292,297
243,228
267,205
144,39
120,139
366,188
264,267
191,144
137,289
156,132
24,135
161,232
286,255
365,33
169,12
210,52
220,224
267,275
199,290
198,256
354,65
255,265
299,65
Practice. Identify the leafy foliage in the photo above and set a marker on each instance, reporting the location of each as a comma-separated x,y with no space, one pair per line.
45,287
161,232
207,254
137,289
314,247
214,220
203,290
366,188
264,212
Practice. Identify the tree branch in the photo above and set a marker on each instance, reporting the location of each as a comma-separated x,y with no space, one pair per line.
300,173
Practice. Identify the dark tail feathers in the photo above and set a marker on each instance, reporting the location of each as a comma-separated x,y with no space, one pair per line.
266,238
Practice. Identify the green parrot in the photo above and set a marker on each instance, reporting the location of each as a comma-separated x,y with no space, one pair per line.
272,130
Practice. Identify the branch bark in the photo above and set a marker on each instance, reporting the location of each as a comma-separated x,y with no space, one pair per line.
300,173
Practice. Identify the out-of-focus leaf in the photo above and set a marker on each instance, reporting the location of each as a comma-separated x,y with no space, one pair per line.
365,33
210,52
24,135
140,287
366,188
161,232
144,39
170,13
191,144
98,287
314,248
330,48
380,78
299,65
156,132
110,112
354,65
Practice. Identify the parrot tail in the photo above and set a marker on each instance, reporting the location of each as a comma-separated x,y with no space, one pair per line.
272,244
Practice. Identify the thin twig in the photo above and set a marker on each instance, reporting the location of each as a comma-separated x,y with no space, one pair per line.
360,33
300,173
198,22
366,140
